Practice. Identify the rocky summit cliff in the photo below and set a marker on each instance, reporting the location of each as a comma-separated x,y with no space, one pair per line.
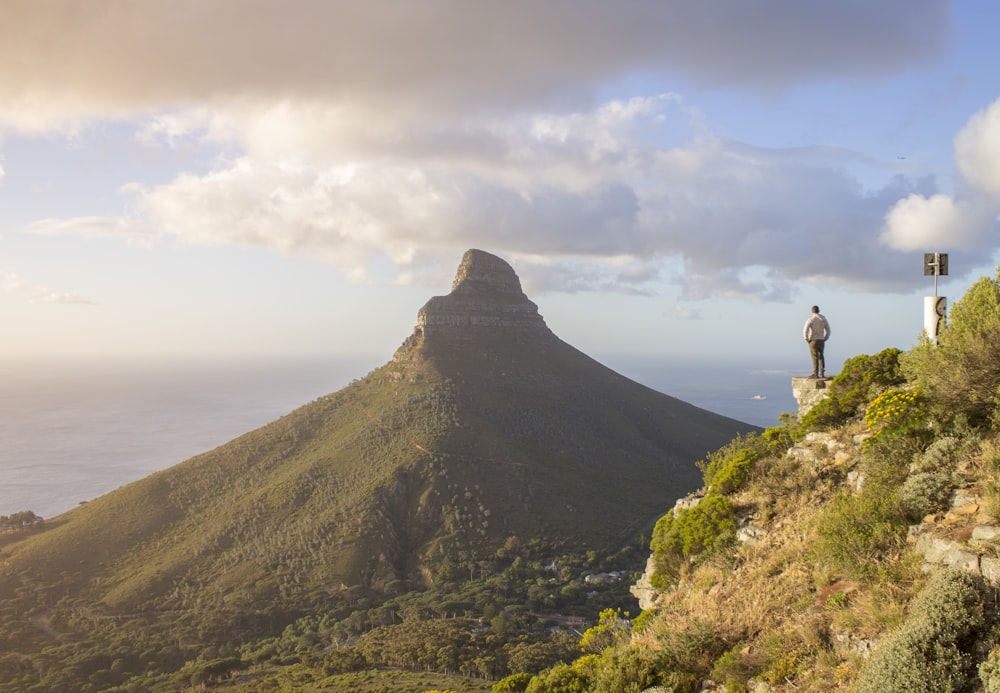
486,293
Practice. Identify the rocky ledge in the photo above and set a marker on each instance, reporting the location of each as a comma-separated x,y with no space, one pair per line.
808,392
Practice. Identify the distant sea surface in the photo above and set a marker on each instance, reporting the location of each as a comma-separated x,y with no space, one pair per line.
70,432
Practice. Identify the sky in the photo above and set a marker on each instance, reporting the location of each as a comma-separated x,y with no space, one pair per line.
247,178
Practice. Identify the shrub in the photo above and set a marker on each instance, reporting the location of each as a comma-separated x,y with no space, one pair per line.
989,672
930,651
734,669
929,488
925,493
688,533
729,468
961,374
988,465
861,379
682,654
777,439
913,660
726,473
858,534
515,683
628,670
952,600
612,627
941,456
887,462
640,622
896,413
577,677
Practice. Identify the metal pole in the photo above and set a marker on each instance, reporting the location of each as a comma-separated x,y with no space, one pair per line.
937,270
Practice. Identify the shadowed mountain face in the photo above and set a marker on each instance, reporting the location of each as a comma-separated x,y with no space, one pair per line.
483,427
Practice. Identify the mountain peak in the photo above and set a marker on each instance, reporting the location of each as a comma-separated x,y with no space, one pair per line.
486,293
481,271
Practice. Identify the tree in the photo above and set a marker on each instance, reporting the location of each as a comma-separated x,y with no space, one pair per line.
961,375
19,520
612,627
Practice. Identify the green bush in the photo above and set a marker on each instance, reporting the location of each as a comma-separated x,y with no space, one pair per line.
925,493
777,439
611,628
628,670
989,672
726,473
858,534
733,669
859,381
961,374
929,489
896,413
577,677
930,652
515,683
941,456
730,467
690,532
887,461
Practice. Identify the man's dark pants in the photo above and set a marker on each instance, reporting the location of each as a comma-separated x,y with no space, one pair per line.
816,351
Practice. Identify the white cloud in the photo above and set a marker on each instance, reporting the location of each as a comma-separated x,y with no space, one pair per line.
11,282
62,298
127,229
593,191
977,151
351,131
937,222
963,222
683,312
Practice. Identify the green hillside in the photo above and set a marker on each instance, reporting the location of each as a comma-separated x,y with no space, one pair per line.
443,481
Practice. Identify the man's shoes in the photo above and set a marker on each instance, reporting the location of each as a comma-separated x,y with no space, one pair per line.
813,376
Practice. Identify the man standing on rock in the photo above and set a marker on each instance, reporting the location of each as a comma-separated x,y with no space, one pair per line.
816,332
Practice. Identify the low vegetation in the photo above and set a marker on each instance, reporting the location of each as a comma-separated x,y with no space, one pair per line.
933,649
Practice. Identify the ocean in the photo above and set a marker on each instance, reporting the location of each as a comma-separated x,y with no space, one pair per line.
70,432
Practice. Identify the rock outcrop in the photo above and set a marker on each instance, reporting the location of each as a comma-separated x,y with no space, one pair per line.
808,392
486,293
963,537
643,589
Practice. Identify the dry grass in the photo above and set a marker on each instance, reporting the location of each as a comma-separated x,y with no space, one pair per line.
777,611
773,603
985,466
